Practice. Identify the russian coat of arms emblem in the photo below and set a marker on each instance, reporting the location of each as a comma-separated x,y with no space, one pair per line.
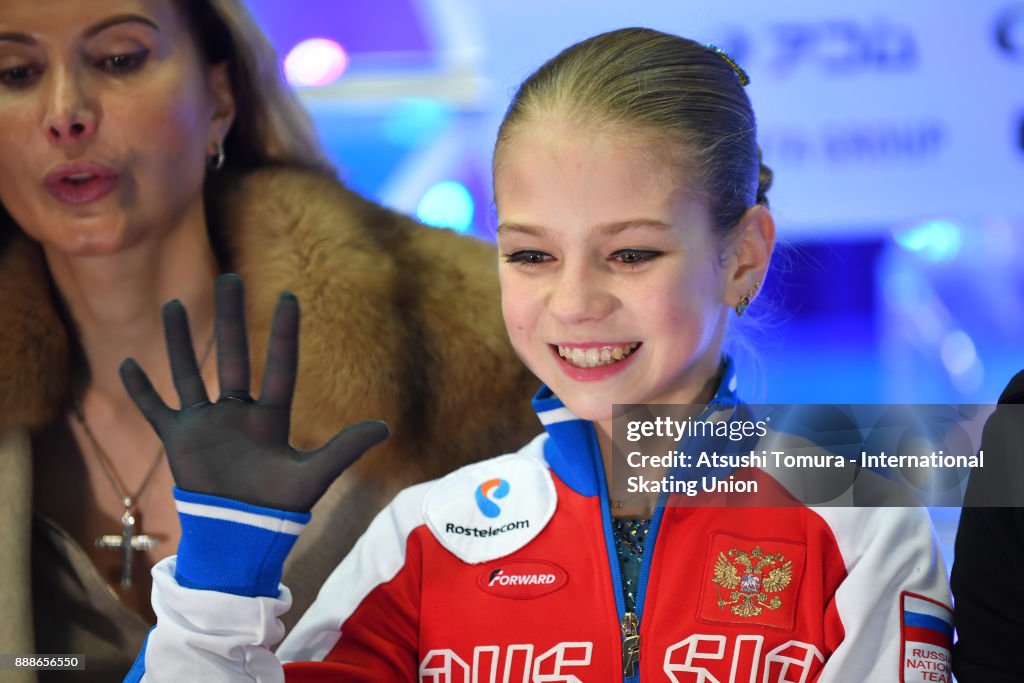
748,582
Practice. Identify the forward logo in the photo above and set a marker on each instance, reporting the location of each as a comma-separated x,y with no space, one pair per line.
522,579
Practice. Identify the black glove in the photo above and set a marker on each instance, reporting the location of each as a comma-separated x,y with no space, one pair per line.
238,447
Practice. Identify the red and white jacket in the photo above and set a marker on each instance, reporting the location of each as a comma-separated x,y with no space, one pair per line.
506,571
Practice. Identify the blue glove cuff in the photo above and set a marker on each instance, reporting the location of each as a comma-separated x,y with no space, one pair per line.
233,547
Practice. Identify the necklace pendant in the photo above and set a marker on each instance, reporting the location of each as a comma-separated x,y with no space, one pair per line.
127,542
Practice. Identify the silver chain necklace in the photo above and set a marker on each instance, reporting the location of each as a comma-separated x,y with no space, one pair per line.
128,542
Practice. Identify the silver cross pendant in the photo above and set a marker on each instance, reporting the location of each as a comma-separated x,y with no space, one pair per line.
126,542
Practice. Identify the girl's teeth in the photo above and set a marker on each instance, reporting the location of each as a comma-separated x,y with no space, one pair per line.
595,356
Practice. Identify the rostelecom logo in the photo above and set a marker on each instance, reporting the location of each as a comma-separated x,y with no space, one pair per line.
486,492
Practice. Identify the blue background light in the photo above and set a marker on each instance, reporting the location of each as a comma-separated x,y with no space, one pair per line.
936,240
447,204
415,121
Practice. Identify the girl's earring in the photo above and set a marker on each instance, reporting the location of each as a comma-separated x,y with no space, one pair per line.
215,162
745,300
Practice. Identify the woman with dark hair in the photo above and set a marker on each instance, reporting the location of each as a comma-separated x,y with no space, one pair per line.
145,147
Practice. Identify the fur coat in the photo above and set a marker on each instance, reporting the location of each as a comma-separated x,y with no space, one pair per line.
399,322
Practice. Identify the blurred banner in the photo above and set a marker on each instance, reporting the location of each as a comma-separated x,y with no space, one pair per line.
870,113
874,113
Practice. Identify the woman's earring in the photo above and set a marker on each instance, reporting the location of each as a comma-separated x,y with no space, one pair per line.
215,162
745,300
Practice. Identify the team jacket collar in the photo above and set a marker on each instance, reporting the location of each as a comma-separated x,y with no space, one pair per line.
571,436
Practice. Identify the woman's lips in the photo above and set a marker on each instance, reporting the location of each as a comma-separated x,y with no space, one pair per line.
81,182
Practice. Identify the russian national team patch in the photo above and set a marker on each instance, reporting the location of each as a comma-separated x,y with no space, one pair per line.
491,509
926,630
751,582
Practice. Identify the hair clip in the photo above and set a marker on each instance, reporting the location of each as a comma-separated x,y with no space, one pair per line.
744,78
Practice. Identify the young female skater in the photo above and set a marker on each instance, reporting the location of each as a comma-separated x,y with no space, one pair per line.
633,223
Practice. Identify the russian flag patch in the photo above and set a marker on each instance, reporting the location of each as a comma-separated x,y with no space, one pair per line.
926,630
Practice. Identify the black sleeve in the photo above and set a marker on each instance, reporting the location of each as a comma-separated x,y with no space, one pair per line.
988,570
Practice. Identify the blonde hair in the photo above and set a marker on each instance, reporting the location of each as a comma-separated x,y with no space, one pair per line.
662,85
270,126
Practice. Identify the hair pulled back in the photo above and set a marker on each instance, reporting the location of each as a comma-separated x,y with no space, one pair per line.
662,85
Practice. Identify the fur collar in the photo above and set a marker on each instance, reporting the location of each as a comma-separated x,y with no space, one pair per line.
399,321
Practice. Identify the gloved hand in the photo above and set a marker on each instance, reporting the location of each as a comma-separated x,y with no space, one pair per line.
238,446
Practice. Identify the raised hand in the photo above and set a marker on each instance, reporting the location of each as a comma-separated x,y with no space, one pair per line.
237,447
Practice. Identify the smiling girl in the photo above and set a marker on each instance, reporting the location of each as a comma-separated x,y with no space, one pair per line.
632,223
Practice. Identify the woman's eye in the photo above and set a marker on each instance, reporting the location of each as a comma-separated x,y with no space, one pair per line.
17,76
123,63
632,257
528,257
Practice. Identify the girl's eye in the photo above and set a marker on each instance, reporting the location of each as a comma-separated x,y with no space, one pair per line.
123,63
634,257
527,257
18,76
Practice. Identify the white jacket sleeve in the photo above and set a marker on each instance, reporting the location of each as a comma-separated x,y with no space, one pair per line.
218,600
894,603
210,635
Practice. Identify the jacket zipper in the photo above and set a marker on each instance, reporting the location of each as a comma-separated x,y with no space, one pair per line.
630,643
630,646
629,623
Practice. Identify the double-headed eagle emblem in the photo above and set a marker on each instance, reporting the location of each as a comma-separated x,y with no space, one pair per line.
750,578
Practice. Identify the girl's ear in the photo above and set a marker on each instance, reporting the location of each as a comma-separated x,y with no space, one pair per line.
749,251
